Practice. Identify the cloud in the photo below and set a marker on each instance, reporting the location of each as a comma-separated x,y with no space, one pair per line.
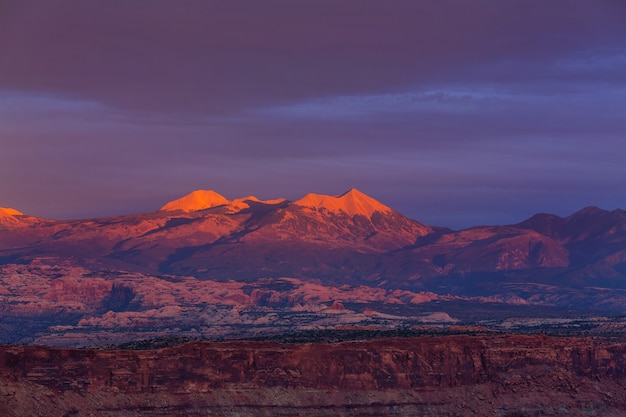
508,106
216,57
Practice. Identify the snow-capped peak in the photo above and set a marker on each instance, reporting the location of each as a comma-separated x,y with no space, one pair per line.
352,202
197,200
205,199
9,212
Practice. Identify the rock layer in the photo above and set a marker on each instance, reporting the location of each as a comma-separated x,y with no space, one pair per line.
443,376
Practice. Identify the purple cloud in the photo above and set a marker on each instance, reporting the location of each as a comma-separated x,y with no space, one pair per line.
453,112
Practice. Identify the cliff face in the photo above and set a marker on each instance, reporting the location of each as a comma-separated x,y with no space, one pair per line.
456,375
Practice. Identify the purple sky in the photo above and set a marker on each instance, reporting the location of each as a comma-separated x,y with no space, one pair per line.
453,112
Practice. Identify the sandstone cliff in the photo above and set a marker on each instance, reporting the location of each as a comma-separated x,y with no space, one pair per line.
438,376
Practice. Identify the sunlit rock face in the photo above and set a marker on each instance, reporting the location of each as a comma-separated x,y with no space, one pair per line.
457,375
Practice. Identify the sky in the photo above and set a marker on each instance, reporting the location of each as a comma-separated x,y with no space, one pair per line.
455,113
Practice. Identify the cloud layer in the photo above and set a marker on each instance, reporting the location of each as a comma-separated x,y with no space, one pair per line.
453,112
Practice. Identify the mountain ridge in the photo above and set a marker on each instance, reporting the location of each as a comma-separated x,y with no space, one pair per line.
327,261
201,199
316,236
350,238
206,199
353,202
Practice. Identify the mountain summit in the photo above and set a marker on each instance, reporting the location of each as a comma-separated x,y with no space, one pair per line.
195,201
352,203
9,212
345,239
206,199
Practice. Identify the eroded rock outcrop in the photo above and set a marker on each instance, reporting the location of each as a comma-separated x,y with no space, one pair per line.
443,376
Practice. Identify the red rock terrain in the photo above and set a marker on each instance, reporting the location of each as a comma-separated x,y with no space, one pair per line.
72,306
513,376
207,266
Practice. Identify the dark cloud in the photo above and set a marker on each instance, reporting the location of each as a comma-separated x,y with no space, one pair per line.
454,112
213,55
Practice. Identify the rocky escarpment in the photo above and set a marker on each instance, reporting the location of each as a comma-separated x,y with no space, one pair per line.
443,376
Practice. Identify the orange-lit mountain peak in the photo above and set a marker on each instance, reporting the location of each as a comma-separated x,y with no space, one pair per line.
352,202
250,198
205,199
197,200
9,217
9,212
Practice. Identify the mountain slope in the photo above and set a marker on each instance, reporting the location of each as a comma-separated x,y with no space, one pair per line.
235,267
204,234
591,235
350,238
326,237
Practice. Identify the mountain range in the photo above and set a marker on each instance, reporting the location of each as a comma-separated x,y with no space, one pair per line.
350,241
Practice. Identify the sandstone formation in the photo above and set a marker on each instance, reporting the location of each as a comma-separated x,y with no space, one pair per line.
513,376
